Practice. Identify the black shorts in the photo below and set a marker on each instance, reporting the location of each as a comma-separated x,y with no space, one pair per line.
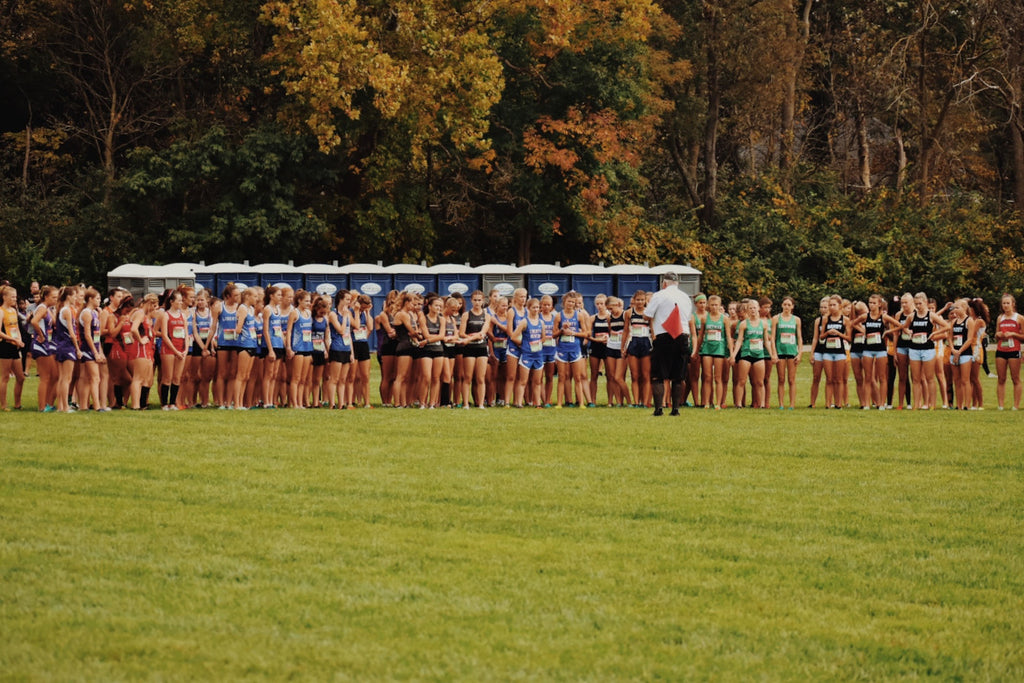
750,359
107,348
196,351
1008,355
473,351
451,351
598,350
388,348
614,354
303,353
251,352
263,352
431,352
670,357
9,351
343,357
361,351
319,359
786,356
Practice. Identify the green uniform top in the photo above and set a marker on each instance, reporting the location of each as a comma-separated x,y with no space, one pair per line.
714,342
786,343
754,345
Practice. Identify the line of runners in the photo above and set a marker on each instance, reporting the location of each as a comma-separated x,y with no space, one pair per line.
275,347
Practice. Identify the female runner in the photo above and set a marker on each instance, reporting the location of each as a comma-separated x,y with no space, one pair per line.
978,311
321,309
225,319
121,352
387,345
451,381
340,353
529,335
362,328
431,361
406,334
859,311
571,326
835,330
515,313
598,341
254,387
924,327
248,345
818,353
902,331
693,372
547,318
299,349
714,347
753,345
109,329
43,320
498,335
140,350
202,364
473,329
789,338
274,326
173,333
962,335
11,344
1009,333
874,357
65,339
614,363
91,357
638,349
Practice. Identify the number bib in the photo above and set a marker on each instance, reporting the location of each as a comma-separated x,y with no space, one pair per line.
230,335
128,338
757,345
500,343
716,336
785,338
833,343
536,347
1006,343
307,336
640,331
875,338
318,344
919,338
361,335
178,333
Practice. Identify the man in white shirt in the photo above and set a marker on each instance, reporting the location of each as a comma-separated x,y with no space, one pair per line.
669,313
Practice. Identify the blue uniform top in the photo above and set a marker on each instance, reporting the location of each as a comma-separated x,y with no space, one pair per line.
319,329
302,333
342,341
247,340
226,324
532,336
278,328
569,342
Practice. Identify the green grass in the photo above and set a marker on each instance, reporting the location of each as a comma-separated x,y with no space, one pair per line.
503,544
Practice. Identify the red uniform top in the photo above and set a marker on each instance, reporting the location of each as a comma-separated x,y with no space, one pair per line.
1009,324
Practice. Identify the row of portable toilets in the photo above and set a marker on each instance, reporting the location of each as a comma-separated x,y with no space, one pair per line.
377,280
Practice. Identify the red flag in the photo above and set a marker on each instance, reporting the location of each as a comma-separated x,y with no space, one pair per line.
673,324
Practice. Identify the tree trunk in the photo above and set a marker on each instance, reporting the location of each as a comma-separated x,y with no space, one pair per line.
863,151
1017,135
28,154
711,121
792,76
901,161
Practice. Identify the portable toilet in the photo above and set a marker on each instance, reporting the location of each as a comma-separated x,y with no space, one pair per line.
547,279
590,281
205,279
455,279
371,280
689,277
630,278
142,279
504,278
223,273
410,277
323,279
279,274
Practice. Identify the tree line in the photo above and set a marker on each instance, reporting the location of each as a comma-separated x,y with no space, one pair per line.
781,146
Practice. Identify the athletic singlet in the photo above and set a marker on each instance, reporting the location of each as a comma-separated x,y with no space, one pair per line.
361,333
109,338
94,328
785,342
638,326
341,341
979,335
960,332
533,336
1010,323
318,328
820,346
451,331
903,341
714,342
44,347
753,345
203,323
920,331
834,344
261,343
549,330
11,327
433,328
616,330
177,330
874,334
226,324
64,336
278,327
247,340
302,333
599,327
516,318
500,335
474,324
569,342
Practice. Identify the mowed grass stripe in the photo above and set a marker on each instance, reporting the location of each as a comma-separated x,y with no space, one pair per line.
598,544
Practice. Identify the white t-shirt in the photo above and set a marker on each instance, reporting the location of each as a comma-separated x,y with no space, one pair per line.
661,307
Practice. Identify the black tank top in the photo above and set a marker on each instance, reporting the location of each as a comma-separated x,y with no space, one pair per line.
874,329
921,326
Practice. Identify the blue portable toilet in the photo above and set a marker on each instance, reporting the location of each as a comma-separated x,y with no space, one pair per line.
455,279
223,273
409,277
590,281
689,277
204,279
505,278
278,274
542,278
141,280
630,278
323,279
371,280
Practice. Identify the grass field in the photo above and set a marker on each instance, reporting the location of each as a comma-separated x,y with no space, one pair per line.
503,544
